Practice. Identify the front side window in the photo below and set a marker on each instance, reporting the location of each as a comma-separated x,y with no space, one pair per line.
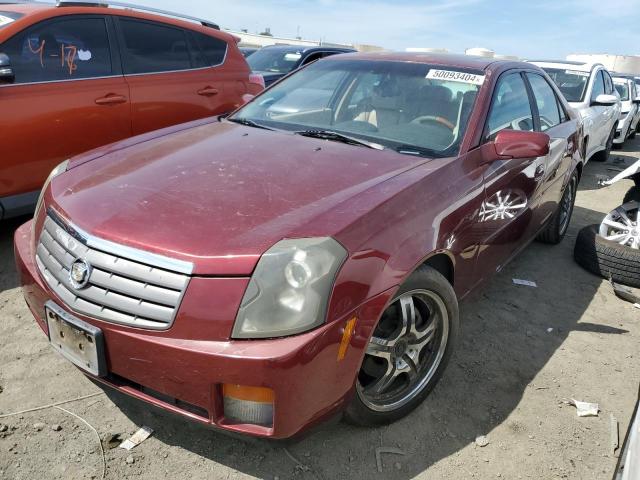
274,60
608,83
622,87
398,105
66,49
510,107
598,86
152,48
546,101
572,83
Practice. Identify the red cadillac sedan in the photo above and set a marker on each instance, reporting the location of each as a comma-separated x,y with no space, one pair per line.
306,255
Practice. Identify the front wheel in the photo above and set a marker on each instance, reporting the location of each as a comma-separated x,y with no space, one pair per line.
603,156
408,351
559,223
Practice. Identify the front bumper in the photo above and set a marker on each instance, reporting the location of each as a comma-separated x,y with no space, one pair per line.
182,369
622,130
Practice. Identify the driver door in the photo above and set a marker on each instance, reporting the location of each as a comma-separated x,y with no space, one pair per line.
512,186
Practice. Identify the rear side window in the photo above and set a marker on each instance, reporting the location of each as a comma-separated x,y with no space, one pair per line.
510,107
546,101
206,51
598,86
67,49
152,48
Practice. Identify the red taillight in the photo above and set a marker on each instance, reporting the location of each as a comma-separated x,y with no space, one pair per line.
256,79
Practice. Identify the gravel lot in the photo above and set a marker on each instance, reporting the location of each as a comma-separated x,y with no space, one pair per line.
522,351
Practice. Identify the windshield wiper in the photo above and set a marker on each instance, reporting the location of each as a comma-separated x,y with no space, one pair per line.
339,137
417,151
249,123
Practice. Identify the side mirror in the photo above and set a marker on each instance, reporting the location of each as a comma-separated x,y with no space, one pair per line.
6,72
521,144
605,100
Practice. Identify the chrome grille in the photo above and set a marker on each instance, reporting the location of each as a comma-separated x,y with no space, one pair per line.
125,285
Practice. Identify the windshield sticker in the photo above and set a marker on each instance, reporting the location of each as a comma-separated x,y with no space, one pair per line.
4,20
293,57
453,76
577,72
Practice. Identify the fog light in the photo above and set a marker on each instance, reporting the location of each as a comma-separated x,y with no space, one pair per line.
252,405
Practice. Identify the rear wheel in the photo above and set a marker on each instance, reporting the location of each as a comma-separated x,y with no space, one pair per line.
408,351
559,223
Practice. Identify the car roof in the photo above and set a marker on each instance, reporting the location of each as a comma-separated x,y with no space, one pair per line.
568,64
305,49
443,59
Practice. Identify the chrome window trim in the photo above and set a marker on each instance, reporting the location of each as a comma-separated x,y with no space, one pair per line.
137,255
60,81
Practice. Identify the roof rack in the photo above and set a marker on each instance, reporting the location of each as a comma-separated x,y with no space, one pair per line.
142,8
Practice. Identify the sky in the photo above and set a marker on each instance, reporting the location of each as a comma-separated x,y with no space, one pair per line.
534,28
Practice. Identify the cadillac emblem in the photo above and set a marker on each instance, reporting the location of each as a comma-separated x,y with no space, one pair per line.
79,274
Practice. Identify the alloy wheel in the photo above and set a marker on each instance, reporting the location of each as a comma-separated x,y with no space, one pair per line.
405,351
566,207
622,225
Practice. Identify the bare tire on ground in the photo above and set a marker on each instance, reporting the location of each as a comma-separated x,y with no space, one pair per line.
607,258
408,352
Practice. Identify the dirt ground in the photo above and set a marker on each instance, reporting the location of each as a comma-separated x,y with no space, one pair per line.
522,351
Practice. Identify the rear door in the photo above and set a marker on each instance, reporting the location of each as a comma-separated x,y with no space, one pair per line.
512,187
69,96
174,74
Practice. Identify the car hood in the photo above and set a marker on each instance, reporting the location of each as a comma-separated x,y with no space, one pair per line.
219,195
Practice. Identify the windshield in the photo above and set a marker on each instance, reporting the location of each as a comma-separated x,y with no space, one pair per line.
275,60
572,83
7,18
622,87
395,104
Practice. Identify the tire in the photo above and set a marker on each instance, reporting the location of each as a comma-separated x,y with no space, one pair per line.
633,132
633,195
557,227
364,410
607,259
603,156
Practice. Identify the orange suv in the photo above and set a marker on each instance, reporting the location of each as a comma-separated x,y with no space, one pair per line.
78,75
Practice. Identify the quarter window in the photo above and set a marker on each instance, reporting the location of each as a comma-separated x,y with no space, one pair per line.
68,49
510,108
151,47
206,51
546,102
598,86
608,83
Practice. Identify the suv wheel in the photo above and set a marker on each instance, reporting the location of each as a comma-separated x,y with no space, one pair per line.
603,156
408,351
559,223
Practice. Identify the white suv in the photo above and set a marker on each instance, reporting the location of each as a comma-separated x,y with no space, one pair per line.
625,85
589,89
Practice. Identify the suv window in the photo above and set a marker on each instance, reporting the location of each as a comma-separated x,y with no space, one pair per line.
206,51
598,86
66,49
151,47
546,100
510,107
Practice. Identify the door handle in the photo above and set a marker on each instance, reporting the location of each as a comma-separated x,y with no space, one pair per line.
208,92
111,100
539,171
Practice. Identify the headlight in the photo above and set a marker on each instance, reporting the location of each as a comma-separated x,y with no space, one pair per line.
290,288
61,168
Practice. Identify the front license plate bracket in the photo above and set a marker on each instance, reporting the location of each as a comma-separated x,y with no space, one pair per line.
78,341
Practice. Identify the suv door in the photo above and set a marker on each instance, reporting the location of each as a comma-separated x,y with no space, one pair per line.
599,131
554,121
69,96
170,72
512,186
